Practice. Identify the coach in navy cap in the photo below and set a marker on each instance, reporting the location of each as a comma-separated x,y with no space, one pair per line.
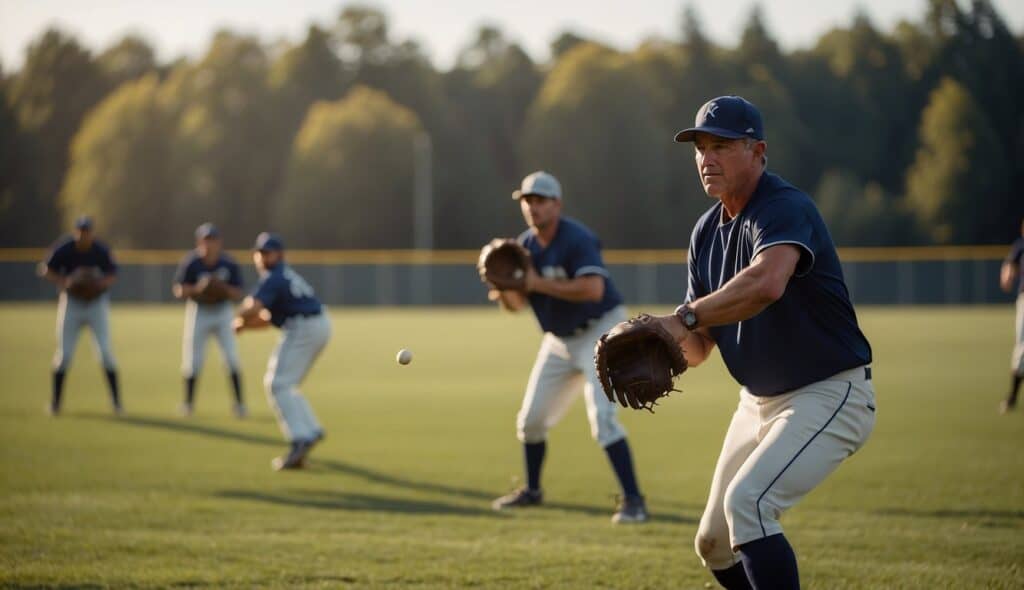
766,289
732,117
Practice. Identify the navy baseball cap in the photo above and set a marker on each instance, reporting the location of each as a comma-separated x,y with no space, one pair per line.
83,222
266,242
732,117
207,230
539,183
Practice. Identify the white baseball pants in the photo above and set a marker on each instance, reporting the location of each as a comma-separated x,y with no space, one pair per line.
202,322
778,449
73,315
564,366
302,341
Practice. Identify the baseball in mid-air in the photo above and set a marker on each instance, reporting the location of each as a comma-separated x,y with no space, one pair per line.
404,356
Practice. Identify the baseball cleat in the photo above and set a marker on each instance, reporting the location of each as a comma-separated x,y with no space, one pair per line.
186,409
520,498
1006,406
240,411
53,410
295,459
631,510
118,410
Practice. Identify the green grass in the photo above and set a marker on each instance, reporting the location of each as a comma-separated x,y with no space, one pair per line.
398,495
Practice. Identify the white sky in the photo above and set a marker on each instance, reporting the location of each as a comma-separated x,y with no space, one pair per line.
184,27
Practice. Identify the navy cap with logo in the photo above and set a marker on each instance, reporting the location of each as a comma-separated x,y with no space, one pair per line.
732,117
83,222
207,231
268,242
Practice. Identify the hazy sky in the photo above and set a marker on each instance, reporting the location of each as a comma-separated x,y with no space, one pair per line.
177,27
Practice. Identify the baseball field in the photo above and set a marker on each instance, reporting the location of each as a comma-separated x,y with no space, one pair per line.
398,494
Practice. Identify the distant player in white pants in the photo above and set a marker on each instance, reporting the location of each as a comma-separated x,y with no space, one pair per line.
285,299
205,319
77,253
1013,271
575,301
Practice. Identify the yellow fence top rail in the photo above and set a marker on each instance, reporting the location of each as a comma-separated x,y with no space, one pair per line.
468,257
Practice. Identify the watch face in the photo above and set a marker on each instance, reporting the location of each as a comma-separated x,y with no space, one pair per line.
690,319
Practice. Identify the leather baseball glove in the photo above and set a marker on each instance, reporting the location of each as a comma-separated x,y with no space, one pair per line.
85,283
636,362
210,289
502,264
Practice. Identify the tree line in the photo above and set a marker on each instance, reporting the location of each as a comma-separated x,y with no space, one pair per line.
912,136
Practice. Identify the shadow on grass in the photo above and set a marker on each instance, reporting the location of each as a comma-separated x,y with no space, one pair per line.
953,513
183,425
346,501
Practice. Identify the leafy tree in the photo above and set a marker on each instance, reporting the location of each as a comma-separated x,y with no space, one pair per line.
959,182
129,59
51,94
349,180
613,173
119,170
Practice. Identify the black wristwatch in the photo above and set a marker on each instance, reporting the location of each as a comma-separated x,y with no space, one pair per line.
687,316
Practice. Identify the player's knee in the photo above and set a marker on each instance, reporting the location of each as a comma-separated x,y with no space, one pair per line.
739,497
713,549
275,385
530,429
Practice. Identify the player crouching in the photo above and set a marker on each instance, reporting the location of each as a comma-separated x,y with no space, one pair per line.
285,299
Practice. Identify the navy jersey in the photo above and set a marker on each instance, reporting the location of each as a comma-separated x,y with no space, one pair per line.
574,252
65,257
1016,257
192,268
809,334
282,291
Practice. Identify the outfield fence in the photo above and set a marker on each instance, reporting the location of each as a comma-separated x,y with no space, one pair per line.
932,275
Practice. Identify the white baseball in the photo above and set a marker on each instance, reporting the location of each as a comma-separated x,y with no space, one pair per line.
404,356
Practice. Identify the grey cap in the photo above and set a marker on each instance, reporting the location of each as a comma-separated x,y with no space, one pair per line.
539,183
207,230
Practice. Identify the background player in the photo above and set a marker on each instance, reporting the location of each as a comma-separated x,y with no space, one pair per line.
206,319
575,301
285,299
81,253
1013,270
766,287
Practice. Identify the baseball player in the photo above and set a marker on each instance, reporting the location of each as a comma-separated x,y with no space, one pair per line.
82,255
1013,271
208,316
575,301
285,299
766,288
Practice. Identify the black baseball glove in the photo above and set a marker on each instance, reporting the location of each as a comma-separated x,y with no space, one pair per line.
636,362
85,283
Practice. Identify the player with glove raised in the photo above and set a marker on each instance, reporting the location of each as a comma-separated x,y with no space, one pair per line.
209,280
766,288
84,269
557,269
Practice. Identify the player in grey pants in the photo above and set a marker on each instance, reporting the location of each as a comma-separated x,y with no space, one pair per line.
284,299
204,319
71,254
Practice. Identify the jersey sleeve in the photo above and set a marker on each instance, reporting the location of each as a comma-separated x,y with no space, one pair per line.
784,221
234,274
183,275
1016,252
585,259
269,289
57,261
106,261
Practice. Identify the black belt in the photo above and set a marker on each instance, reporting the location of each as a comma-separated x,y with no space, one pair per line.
867,373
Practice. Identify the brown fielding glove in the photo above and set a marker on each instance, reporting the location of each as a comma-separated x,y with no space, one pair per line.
636,362
211,290
502,264
85,283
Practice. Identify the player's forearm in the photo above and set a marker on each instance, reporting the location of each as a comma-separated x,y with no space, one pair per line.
510,300
579,290
740,299
1007,275
250,309
697,347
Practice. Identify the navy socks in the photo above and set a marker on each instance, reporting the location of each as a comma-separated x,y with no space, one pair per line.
534,455
770,564
622,462
733,578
